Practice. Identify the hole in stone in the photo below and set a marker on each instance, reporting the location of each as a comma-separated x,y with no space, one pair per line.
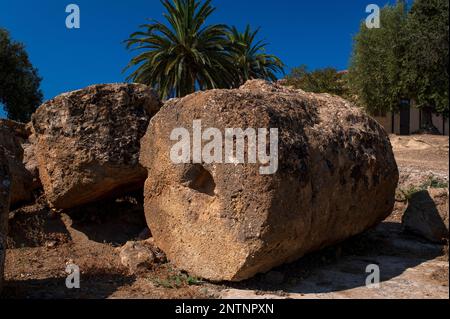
200,180
113,220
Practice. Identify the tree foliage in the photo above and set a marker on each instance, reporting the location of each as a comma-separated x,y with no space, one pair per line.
249,57
375,73
186,54
407,57
327,80
19,80
426,60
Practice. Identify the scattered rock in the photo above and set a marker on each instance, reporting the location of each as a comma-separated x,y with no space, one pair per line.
30,162
87,142
226,222
136,256
159,254
5,184
140,256
13,136
427,215
51,244
21,183
412,177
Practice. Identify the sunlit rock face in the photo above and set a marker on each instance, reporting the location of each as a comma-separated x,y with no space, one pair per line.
336,177
87,142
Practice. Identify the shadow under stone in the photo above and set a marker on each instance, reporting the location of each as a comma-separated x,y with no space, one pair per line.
113,221
343,266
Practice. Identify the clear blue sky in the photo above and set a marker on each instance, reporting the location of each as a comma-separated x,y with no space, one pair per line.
317,33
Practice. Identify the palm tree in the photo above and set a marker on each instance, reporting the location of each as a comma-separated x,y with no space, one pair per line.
184,55
250,58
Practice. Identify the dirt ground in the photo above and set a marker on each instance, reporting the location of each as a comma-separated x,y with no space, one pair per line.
422,152
43,242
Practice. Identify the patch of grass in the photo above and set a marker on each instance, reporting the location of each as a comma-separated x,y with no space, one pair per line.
435,182
177,280
193,281
431,182
406,194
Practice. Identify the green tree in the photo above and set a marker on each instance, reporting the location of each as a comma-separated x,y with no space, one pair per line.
19,80
426,60
250,58
186,54
375,73
327,80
